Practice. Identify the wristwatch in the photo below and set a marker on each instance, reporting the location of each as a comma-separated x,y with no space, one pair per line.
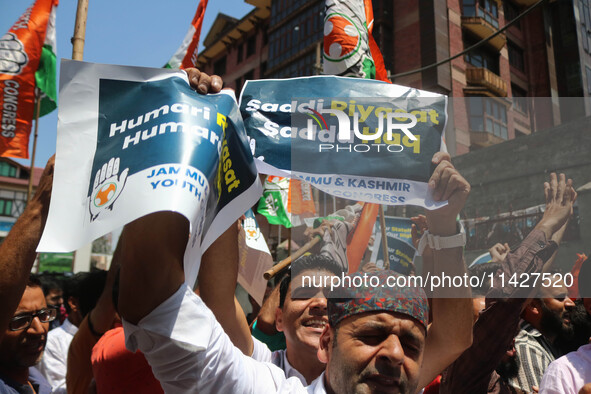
437,242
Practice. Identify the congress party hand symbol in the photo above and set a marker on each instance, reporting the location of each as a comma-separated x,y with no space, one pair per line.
108,184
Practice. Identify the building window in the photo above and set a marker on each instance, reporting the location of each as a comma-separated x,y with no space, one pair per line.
5,207
486,114
219,67
7,169
516,56
588,73
519,99
487,9
483,57
251,46
511,12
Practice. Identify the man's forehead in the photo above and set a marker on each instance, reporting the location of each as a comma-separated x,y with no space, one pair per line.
555,290
32,300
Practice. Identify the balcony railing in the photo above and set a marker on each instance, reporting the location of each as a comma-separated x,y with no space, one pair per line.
481,17
482,77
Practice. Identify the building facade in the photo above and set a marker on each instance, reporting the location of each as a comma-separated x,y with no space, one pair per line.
14,182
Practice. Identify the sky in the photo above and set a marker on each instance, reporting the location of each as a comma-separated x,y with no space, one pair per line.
136,33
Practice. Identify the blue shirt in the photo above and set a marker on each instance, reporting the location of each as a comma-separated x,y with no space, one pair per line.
8,386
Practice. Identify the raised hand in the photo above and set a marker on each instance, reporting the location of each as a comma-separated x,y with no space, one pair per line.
560,197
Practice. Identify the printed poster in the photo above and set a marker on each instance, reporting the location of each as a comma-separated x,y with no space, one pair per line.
133,141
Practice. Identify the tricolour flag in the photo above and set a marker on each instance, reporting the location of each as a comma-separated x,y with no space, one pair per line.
27,61
349,47
186,55
274,202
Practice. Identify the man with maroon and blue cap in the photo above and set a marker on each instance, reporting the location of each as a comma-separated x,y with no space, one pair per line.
376,335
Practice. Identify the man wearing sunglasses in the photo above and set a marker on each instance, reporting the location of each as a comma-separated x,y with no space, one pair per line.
23,343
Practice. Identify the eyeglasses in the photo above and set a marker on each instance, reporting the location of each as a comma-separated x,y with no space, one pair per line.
22,322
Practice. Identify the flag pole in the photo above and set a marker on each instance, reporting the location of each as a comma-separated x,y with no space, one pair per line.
30,189
384,238
79,30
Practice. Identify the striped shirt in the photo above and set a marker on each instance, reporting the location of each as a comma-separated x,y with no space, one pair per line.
535,354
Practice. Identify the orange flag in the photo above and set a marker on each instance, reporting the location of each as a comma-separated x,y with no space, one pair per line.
20,54
186,55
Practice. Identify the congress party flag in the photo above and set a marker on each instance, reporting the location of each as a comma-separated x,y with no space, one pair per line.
27,61
274,202
133,141
186,55
349,47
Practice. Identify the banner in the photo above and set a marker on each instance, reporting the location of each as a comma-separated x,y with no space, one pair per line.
27,60
401,251
186,55
132,141
328,132
255,258
349,47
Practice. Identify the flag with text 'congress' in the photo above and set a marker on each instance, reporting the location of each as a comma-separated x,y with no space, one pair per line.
349,47
186,55
133,141
27,61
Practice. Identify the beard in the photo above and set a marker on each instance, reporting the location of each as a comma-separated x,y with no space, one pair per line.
508,369
581,324
552,324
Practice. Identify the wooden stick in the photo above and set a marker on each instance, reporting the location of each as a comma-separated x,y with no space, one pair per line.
30,188
79,30
384,238
285,262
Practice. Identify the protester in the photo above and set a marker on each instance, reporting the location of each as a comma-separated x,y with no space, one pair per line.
24,316
117,370
544,320
23,342
17,251
475,370
572,373
54,296
100,318
81,293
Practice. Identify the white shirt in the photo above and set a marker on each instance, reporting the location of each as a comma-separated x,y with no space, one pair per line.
568,373
54,363
189,352
262,353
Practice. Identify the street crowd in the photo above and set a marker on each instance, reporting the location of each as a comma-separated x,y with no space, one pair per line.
138,328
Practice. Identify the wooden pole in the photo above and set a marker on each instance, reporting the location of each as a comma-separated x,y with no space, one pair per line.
37,112
287,261
384,238
79,30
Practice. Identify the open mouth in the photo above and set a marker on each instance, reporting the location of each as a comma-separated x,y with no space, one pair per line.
384,383
315,323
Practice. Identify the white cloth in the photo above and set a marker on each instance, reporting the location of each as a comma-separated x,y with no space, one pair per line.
568,373
189,352
261,352
53,365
